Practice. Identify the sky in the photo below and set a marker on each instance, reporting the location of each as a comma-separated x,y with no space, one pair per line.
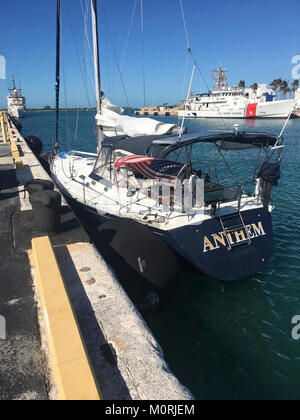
254,40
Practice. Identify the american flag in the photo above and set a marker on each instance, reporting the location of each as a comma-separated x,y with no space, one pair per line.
151,167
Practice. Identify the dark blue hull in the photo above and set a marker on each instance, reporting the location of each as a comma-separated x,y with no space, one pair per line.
224,259
230,258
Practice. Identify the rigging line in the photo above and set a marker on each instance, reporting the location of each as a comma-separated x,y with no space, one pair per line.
284,126
85,15
81,66
207,87
66,100
185,27
88,80
186,102
66,109
82,78
61,125
184,79
128,35
116,57
189,49
227,165
85,18
198,68
143,51
77,116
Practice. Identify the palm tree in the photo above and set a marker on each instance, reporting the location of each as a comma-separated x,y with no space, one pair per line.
254,87
242,84
284,88
295,85
274,84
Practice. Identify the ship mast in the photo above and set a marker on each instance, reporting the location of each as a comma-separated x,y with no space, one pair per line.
13,82
57,79
219,75
96,66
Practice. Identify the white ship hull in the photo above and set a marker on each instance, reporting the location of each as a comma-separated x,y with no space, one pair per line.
276,109
16,102
16,112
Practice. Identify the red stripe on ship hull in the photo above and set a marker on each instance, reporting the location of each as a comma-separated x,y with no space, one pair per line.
251,110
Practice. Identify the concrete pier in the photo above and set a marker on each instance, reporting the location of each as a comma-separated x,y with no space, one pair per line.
116,347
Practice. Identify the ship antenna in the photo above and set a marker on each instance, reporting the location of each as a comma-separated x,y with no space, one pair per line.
57,79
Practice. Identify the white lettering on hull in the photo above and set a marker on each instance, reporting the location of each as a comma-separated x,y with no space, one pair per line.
217,240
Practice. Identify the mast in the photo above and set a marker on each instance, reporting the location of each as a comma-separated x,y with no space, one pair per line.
57,78
13,82
219,75
96,65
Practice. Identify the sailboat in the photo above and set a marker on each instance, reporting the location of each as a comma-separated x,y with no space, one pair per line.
160,176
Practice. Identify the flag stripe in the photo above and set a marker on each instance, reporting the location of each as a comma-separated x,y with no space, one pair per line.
151,167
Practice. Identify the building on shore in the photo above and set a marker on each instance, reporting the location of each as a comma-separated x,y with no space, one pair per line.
162,110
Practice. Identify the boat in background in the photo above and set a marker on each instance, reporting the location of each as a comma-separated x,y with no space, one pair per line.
234,102
16,103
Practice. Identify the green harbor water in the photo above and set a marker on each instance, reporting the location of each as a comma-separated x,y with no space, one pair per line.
230,341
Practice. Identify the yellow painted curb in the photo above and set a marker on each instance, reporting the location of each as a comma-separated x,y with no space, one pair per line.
71,369
14,149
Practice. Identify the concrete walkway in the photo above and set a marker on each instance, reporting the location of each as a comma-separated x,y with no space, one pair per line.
22,362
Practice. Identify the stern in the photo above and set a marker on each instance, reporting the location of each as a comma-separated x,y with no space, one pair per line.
227,248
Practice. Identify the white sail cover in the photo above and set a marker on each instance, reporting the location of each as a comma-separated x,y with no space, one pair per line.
114,123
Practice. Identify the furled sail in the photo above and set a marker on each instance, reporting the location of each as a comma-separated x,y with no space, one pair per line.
114,123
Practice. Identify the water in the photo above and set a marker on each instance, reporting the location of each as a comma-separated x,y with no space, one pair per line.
232,341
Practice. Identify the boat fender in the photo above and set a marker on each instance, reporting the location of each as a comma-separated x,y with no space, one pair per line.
35,185
35,144
46,206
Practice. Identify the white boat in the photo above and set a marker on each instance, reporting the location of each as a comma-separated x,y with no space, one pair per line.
16,103
165,182
232,102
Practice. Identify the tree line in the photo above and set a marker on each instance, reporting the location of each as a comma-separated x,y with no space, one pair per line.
278,85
